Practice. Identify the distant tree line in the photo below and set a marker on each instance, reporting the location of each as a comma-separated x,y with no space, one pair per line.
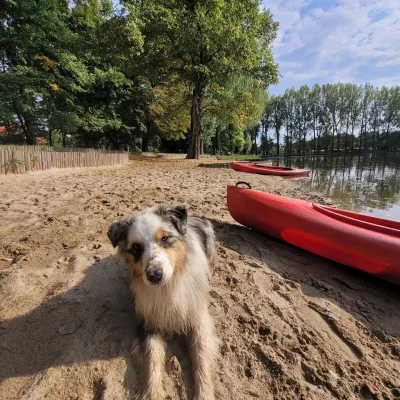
332,117
137,74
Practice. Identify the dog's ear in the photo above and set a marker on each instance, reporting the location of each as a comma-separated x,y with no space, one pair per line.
179,218
118,232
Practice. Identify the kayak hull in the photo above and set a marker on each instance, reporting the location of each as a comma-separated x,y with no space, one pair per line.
366,243
268,170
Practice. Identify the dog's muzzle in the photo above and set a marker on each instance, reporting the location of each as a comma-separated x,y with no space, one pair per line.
154,275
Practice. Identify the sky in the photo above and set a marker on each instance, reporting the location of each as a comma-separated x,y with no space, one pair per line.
327,41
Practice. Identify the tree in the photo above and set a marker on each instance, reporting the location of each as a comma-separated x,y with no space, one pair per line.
32,39
332,104
211,39
367,93
391,109
315,111
303,95
355,94
375,116
62,70
278,118
267,123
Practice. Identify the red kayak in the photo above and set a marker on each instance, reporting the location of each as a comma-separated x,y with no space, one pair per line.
268,170
366,243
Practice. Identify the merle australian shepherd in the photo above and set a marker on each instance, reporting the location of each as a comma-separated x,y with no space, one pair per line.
168,255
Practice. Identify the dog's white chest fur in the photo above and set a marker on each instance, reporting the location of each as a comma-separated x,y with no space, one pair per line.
175,307
172,307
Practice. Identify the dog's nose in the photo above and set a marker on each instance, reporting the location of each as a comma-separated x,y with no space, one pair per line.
155,275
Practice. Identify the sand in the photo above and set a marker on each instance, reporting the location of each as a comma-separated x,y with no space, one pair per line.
292,325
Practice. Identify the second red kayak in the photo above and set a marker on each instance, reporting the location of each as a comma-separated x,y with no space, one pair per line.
360,241
268,170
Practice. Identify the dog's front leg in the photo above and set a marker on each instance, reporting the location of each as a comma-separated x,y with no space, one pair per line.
203,348
153,351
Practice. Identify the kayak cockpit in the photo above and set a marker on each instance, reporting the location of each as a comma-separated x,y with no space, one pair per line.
363,221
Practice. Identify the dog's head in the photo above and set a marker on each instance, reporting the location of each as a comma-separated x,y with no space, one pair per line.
153,242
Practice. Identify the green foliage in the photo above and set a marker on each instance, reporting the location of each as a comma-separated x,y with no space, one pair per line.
84,73
335,117
169,109
205,43
13,163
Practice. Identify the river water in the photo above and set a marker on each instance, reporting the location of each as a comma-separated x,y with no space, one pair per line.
367,183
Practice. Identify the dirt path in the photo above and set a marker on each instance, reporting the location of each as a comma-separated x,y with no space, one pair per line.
292,325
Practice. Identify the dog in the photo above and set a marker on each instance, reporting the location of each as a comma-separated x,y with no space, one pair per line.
169,253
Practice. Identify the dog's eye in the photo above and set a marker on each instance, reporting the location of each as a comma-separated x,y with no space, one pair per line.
164,239
136,247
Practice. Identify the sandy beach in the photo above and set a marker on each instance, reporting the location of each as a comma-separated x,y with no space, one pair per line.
292,325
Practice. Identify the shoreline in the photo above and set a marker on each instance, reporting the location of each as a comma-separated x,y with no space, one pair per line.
291,324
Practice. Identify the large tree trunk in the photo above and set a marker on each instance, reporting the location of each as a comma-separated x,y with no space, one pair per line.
145,142
195,121
30,137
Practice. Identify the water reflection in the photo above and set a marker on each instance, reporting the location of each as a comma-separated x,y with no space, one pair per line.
367,183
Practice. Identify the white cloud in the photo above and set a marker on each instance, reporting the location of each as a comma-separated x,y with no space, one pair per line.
353,41
389,63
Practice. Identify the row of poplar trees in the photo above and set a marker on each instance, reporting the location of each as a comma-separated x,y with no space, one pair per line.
334,117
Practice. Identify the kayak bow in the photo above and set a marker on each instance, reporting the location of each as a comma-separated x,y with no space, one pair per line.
359,241
268,170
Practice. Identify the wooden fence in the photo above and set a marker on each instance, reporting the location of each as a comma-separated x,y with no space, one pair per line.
58,149
19,162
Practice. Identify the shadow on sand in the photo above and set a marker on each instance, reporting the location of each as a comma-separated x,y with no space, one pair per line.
354,291
94,320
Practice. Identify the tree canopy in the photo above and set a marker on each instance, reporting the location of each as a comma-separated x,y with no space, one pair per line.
99,74
335,117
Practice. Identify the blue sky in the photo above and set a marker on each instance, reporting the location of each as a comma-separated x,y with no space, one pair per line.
323,41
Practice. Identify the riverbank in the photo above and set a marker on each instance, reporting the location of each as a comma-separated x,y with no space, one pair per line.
254,157
292,324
